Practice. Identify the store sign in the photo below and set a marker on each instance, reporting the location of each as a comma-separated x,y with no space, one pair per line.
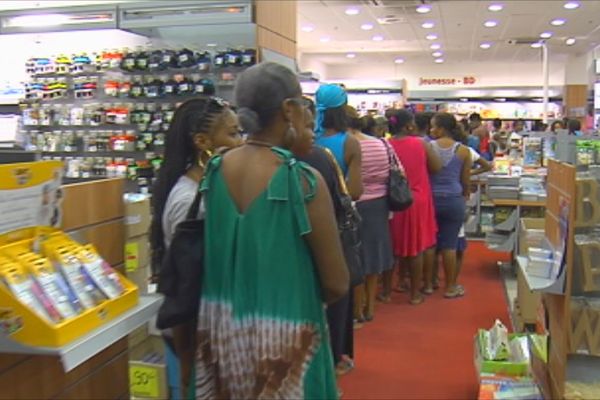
30,195
465,80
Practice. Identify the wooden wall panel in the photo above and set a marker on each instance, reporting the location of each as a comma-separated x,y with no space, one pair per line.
575,97
107,237
271,41
276,25
51,381
86,204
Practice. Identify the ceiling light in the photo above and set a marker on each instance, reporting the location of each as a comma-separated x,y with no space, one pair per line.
423,9
571,5
496,7
439,60
431,36
427,25
570,41
536,45
500,99
38,20
377,38
308,28
435,46
366,27
558,22
352,11
546,35
399,60
437,54
325,39
351,55
490,24
211,45
464,99
485,45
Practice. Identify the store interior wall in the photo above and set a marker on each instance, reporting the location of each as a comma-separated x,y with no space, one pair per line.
496,74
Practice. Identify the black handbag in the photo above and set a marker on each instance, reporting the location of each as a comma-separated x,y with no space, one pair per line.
348,220
180,276
399,194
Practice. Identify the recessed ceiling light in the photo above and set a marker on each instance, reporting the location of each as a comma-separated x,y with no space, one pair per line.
351,55
211,45
485,45
427,25
377,38
423,9
500,99
435,46
437,54
308,28
558,22
352,11
366,27
399,60
490,24
325,39
546,35
570,41
571,5
496,7
464,99
431,36
439,60
536,45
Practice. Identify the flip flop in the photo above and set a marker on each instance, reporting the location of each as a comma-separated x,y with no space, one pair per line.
417,301
384,299
400,289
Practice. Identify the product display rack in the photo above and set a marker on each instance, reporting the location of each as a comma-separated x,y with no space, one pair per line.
114,123
569,314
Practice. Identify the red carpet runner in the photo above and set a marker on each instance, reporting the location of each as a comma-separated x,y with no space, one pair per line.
426,352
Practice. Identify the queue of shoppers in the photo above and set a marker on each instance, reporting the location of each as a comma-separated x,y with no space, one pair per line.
298,239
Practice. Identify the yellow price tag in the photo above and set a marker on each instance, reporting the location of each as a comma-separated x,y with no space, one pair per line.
132,256
144,381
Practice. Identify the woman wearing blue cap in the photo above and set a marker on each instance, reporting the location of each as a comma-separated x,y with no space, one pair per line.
331,125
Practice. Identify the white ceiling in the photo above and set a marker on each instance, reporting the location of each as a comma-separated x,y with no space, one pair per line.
458,24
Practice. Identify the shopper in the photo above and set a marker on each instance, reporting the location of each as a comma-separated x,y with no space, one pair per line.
272,257
556,126
574,127
199,127
331,125
339,314
479,130
450,188
413,230
376,247
374,126
423,125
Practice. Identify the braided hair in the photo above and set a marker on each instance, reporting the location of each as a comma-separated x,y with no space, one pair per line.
191,118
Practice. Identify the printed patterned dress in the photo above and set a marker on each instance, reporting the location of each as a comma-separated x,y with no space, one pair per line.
262,331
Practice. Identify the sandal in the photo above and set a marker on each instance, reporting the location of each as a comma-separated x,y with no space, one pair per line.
359,323
384,298
427,291
401,288
344,367
458,291
417,301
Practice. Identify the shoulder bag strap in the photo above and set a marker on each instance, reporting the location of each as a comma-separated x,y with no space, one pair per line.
340,178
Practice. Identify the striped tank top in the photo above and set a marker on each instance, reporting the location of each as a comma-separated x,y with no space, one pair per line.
375,170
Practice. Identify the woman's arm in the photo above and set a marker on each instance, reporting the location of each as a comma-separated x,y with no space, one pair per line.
434,161
484,166
324,242
353,157
184,341
465,176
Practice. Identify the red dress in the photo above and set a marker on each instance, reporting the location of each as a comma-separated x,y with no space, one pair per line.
414,230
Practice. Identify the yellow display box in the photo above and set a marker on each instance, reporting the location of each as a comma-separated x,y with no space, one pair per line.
24,326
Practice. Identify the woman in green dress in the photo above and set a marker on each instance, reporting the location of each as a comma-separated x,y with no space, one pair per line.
273,257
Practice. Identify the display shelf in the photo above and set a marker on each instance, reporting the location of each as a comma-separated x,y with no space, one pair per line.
507,245
583,368
471,224
84,348
510,224
110,153
518,203
536,283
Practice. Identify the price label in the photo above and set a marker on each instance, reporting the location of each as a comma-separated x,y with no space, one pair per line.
132,256
144,381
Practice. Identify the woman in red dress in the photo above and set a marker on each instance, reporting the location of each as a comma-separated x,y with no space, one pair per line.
414,230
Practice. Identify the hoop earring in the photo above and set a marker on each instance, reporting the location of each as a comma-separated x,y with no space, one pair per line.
208,154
